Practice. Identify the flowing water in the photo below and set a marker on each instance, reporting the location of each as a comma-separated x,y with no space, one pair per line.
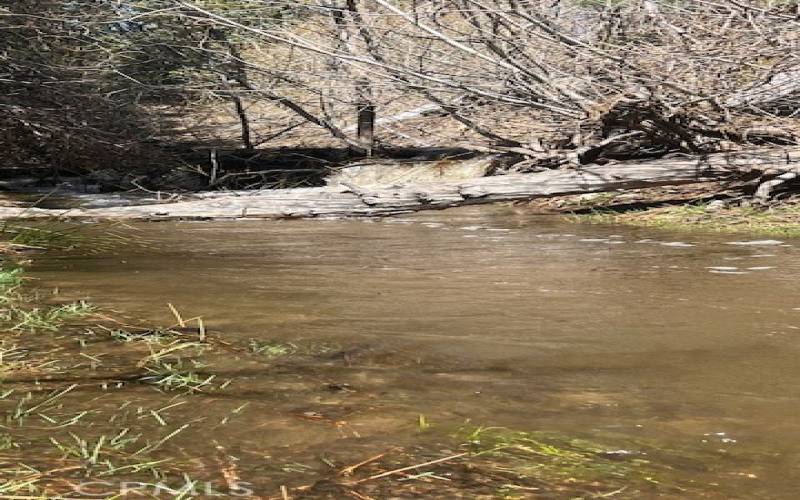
482,315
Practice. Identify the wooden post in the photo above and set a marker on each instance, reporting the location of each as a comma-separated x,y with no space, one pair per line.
366,116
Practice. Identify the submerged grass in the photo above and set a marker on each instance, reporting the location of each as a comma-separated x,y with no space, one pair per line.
23,236
69,443
48,318
53,438
177,375
17,314
494,462
554,459
780,220
150,336
277,349
10,279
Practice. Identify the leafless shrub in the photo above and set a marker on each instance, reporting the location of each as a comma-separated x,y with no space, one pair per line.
701,73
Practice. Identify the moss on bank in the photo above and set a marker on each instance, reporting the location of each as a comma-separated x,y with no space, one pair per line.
780,220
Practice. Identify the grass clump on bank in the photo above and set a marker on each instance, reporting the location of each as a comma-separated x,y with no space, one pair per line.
780,220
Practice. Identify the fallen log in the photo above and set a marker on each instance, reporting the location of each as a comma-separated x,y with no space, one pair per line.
778,95
347,200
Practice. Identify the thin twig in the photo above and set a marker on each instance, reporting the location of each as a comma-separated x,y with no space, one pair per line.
348,471
403,469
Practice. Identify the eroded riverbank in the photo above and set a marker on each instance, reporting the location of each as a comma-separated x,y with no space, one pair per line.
393,341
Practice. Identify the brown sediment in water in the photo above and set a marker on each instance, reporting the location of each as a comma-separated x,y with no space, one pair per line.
331,343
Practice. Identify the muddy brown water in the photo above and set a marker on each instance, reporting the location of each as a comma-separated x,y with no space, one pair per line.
477,315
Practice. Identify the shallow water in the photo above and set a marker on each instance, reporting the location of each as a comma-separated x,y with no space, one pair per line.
480,314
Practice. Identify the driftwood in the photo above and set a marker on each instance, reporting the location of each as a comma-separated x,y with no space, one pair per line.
353,201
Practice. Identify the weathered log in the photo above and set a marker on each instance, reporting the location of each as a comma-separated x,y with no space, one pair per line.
780,94
354,201
764,191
